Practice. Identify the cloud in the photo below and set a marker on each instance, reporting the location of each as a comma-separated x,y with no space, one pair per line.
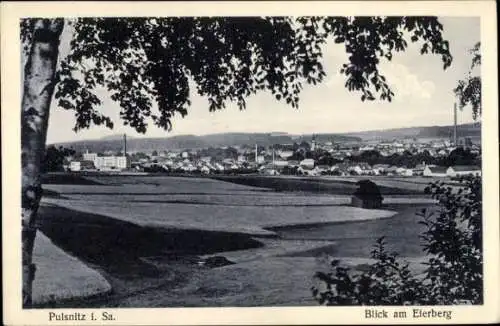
404,83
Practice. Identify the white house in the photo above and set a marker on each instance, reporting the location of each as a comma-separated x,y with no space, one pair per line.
379,168
406,172
89,156
285,154
434,171
219,167
366,148
75,166
461,170
307,163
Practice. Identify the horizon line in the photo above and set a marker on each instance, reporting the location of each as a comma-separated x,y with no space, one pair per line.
263,132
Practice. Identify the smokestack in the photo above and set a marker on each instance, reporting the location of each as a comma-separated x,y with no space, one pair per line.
256,153
455,124
125,145
273,159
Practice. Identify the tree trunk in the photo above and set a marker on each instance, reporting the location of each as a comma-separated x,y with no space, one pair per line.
39,81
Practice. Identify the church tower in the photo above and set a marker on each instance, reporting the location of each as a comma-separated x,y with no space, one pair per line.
313,142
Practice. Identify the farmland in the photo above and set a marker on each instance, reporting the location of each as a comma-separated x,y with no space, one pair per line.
147,234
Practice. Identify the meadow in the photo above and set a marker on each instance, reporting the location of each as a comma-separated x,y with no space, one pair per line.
147,235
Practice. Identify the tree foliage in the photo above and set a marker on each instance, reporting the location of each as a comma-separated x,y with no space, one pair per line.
458,156
55,158
468,90
146,64
452,241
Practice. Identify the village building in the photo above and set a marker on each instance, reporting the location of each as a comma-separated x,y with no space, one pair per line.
380,168
260,159
307,163
285,154
76,166
463,170
434,171
104,163
419,169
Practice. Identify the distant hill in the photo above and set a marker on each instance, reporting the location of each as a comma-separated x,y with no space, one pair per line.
115,143
463,130
115,137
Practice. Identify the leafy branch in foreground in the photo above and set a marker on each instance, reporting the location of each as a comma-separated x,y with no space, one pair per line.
452,241
468,90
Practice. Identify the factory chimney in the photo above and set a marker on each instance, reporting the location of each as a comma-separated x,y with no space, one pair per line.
125,145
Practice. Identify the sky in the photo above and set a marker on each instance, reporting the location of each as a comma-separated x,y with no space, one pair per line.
423,97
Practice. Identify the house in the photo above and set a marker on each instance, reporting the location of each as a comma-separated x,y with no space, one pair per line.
307,171
172,155
219,167
89,156
307,163
84,165
434,171
285,154
360,168
380,168
405,172
461,170
75,166
366,148
419,169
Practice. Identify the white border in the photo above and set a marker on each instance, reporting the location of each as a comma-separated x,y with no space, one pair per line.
11,82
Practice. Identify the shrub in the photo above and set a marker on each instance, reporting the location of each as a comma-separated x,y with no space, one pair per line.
452,241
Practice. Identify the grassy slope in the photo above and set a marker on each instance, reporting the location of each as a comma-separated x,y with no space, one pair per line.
74,279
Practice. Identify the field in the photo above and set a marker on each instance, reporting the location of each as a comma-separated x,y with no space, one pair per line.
148,235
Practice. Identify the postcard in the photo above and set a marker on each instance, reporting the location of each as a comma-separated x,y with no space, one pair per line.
254,163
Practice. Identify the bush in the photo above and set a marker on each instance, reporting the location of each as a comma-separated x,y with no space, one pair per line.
453,243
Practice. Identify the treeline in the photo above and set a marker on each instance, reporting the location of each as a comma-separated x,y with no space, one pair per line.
459,156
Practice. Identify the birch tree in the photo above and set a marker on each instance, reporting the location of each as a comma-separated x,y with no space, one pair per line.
145,64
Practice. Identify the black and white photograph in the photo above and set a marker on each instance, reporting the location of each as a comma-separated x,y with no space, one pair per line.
216,161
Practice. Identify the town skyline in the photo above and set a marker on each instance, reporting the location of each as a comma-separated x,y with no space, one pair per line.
134,135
